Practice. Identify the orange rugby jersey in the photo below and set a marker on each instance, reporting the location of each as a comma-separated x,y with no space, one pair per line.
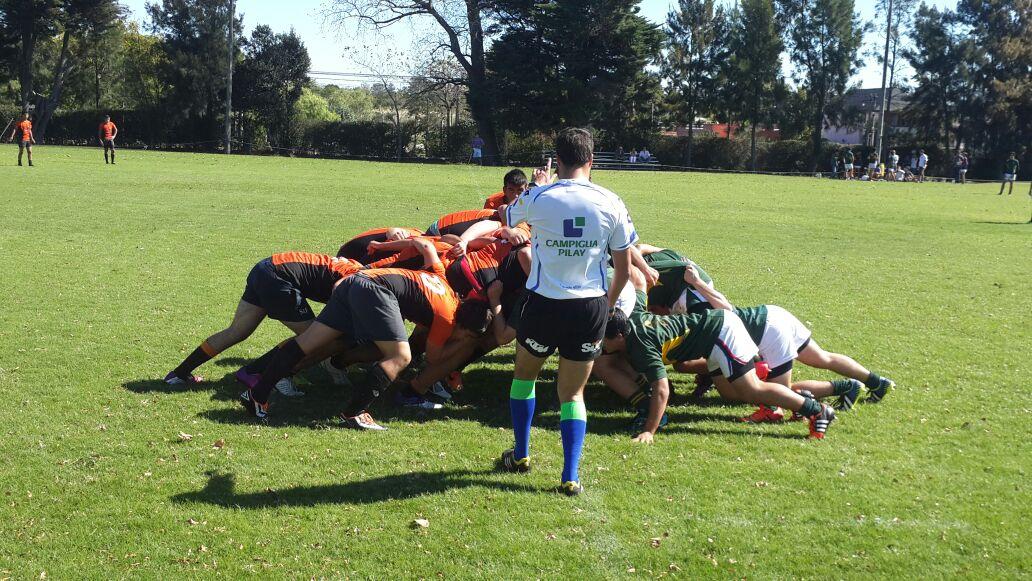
458,222
423,296
494,201
108,130
314,274
25,127
410,258
356,248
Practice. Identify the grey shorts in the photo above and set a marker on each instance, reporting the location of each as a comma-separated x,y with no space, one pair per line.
365,311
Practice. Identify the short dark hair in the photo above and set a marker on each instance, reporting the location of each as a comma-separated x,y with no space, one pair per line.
515,177
473,315
617,325
574,146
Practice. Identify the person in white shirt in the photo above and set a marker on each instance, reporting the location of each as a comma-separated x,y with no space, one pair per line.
893,163
575,227
644,155
922,165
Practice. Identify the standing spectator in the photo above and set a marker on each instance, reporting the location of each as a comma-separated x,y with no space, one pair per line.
106,134
913,161
834,164
922,165
847,159
478,150
872,167
1010,173
965,161
893,159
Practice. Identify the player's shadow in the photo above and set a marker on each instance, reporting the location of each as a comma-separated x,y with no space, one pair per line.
676,427
221,490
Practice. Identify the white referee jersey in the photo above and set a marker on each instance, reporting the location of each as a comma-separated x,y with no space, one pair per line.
574,225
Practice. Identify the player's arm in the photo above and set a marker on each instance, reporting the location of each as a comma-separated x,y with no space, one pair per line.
479,230
114,133
651,274
648,249
712,296
657,407
503,333
428,251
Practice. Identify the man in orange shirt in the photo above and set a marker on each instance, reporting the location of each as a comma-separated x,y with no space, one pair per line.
358,247
513,184
24,129
106,133
278,287
372,306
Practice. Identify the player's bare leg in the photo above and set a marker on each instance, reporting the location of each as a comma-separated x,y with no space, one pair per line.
845,366
749,388
246,319
396,357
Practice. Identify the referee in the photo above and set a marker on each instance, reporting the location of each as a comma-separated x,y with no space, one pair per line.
576,226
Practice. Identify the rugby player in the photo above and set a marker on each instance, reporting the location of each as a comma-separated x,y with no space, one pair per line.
358,247
106,134
278,287
468,224
372,306
513,184
25,141
781,339
650,341
575,225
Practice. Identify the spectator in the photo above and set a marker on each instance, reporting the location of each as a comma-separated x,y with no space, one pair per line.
619,153
834,163
872,167
644,155
965,161
1010,173
478,150
847,159
913,161
633,158
922,165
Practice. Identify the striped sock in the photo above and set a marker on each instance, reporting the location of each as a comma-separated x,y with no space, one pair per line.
200,356
573,424
521,406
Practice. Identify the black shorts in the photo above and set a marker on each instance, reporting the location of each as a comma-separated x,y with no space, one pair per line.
364,311
280,298
109,144
25,144
574,327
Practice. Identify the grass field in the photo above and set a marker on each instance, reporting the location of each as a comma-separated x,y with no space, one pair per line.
113,274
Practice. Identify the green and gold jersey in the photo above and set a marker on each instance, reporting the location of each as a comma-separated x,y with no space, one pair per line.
656,340
1012,166
755,320
671,285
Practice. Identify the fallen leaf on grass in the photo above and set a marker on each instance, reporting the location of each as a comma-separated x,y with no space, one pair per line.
184,437
420,523
219,444
656,542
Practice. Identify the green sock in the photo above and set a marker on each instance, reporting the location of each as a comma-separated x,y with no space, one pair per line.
840,386
873,380
811,407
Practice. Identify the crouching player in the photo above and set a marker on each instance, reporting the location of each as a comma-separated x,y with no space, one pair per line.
358,247
652,341
372,306
781,339
278,287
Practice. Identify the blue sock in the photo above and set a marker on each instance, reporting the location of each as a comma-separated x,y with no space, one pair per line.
521,406
573,424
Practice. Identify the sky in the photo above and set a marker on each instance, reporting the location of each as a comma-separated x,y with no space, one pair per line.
337,51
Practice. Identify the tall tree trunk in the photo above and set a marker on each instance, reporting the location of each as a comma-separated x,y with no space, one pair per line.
479,103
53,101
25,58
691,132
818,126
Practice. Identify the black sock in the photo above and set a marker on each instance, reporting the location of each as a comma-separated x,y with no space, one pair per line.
282,365
200,356
841,386
376,382
259,365
873,380
810,408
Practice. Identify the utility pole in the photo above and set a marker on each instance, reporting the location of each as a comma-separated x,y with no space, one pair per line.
884,78
229,80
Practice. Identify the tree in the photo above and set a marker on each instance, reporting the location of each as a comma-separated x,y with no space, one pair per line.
757,65
143,62
1000,117
29,20
460,24
902,18
940,58
348,104
570,62
192,35
823,39
690,63
270,80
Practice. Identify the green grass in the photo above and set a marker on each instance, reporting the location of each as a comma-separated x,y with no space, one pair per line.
113,274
